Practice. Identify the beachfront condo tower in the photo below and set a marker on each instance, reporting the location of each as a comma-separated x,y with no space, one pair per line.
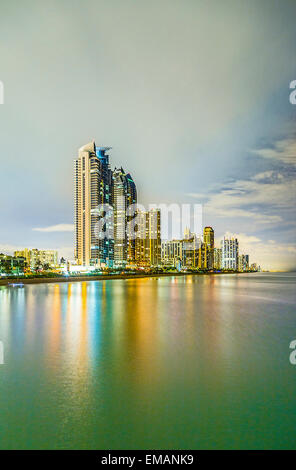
124,195
93,187
208,239
230,253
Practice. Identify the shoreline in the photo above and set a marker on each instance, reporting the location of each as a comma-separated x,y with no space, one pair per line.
102,277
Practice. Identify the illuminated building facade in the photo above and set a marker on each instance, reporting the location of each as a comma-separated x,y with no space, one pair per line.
171,252
243,263
217,258
148,238
93,187
208,239
230,253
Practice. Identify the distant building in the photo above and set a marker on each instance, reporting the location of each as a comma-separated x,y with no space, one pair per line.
154,227
131,200
41,258
171,252
142,253
254,267
192,252
12,265
217,258
230,252
187,233
25,253
188,252
247,261
243,263
35,258
148,238
208,239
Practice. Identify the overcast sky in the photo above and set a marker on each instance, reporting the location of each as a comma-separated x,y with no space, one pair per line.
193,96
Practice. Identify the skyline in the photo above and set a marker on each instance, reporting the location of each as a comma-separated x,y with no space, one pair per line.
125,233
215,126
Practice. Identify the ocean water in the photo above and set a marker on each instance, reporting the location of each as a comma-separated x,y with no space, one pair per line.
193,362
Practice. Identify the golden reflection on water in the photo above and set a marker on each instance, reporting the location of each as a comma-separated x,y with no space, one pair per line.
54,333
174,362
133,327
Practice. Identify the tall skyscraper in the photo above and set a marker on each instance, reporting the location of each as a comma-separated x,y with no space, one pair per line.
243,263
154,216
217,258
142,254
93,187
120,217
131,199
208,239
124,195
191,251
105,252
148,239
230,252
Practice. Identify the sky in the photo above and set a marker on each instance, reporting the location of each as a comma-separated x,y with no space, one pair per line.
192,96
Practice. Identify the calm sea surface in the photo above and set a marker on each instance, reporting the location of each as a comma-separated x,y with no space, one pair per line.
185,362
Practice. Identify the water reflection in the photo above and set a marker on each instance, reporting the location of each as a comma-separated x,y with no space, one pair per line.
193,352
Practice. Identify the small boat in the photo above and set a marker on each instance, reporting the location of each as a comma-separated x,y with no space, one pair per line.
16,284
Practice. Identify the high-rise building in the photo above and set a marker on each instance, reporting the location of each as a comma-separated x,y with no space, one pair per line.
243,263
142,253
172,252
101,201
87,197
120,217
217,258
191,251
124,195
105,243
230,253
255,267
208,239
131,200
188,252
148,238
154,225
93,187
247,262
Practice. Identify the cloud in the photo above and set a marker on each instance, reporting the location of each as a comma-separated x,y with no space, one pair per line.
263,203
55,228
197,195
261,199
283,150
242,237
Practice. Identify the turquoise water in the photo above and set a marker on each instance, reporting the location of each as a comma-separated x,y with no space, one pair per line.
186,362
